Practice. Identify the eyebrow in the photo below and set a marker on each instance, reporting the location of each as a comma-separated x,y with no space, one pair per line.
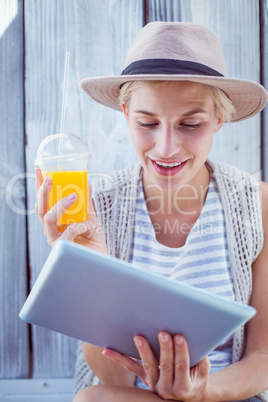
144,112
189,113
195,111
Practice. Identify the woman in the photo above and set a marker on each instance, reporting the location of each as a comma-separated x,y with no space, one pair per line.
208,224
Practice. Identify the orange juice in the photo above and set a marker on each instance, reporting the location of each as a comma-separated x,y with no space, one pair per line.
64,184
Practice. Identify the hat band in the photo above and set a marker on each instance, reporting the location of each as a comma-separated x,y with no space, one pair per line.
168,67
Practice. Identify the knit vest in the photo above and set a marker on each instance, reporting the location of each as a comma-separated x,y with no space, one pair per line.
115,202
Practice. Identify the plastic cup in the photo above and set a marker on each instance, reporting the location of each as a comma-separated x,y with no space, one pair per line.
64,158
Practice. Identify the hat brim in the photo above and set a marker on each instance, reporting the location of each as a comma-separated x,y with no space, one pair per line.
248,97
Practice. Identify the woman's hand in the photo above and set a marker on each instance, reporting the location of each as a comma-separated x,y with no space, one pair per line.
173,379
88,233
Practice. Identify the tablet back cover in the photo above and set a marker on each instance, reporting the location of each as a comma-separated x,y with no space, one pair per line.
106,301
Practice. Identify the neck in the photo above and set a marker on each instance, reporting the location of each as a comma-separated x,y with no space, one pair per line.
187,198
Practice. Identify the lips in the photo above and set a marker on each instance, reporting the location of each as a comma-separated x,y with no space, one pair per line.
168,165
168,168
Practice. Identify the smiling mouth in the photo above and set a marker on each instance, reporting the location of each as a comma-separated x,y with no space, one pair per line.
168,165
168,169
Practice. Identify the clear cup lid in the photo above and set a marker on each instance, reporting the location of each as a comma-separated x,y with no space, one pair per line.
60,148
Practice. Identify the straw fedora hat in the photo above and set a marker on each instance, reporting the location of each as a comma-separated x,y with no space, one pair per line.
178,51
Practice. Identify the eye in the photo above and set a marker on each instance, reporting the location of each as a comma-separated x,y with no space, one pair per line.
190,126
147,125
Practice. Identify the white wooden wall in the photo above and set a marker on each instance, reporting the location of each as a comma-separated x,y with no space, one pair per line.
34,36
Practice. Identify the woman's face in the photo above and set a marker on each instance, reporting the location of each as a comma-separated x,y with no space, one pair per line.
172,127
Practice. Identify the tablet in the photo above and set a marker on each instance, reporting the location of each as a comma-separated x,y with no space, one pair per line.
105,301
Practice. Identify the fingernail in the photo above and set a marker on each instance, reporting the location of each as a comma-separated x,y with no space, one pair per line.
179,340
47,180
71,196
164,338
138,342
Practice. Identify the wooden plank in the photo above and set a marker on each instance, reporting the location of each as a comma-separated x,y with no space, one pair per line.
43,390
236,22
14,350
98,38
264,81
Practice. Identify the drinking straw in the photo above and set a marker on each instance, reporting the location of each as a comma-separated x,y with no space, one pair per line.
63,106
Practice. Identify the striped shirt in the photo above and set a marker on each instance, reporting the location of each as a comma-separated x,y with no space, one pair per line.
203,261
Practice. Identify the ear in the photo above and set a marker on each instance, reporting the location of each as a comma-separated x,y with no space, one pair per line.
125,111
219,124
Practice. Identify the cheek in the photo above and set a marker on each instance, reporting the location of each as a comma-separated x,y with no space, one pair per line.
200,142
141,141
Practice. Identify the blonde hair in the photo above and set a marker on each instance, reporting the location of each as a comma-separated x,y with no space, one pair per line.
224,108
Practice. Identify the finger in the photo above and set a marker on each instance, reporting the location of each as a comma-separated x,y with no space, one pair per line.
127,362
149,362
76,229
39,179
42,197
182,363
204,367
53,215
166,360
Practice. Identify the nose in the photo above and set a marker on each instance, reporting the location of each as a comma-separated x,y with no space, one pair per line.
167,142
